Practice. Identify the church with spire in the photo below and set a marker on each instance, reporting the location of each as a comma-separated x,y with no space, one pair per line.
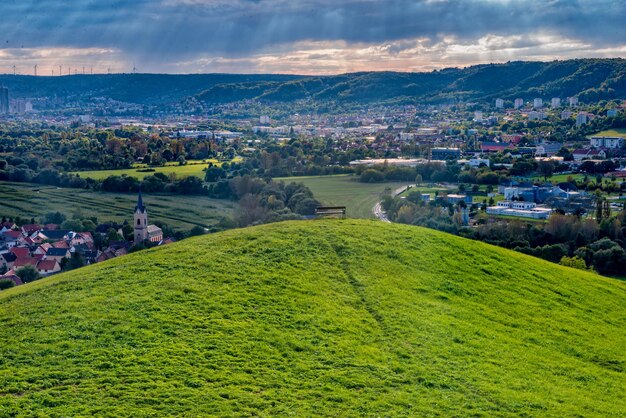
143,231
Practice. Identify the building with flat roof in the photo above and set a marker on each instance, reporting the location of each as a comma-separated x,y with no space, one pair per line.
442,154
520,209
456,198
611,142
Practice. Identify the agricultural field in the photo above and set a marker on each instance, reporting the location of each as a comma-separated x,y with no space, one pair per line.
325,318
178,211
192,168
344,190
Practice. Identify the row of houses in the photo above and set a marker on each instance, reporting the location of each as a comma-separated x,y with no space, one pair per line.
43,247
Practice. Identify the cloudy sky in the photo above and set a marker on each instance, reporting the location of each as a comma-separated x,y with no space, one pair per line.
300,36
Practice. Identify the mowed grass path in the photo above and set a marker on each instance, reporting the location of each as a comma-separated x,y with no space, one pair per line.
192,168
345,190
183,212
335,318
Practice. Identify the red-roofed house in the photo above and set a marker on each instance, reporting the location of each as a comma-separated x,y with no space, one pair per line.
43,248
25,261
6,226
14,234
81,238
61,244
38,237
11,238
12,276
47,267
30,228
21,251
494,146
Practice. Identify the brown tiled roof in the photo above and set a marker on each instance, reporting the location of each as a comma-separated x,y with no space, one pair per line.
21,251
47,265
25,261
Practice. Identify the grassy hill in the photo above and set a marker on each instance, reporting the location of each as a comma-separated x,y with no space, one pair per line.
318,318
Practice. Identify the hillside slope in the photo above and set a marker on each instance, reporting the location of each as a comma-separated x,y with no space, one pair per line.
330,318
589,79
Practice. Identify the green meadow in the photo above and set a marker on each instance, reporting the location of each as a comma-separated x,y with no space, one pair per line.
336,318
345,190
178,211
192,168
612,132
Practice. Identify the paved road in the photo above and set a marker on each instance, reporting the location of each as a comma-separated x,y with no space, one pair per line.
378,210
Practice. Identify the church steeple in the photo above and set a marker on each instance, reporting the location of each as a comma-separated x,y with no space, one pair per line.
140,221
140,207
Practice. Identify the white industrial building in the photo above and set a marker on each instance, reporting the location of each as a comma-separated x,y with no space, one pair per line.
521,209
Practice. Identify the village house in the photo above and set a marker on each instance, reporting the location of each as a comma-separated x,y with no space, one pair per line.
57,254
48,267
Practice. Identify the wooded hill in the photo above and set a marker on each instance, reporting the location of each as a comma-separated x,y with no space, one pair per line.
588,79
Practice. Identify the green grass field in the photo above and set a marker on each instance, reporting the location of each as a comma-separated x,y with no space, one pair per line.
561,178
183,212
329,318
192,168
612,132
345,190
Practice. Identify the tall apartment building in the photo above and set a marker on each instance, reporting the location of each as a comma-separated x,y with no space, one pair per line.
4,100
519,103
556,102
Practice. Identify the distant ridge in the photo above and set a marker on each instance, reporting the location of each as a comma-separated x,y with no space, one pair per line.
316,318
589,79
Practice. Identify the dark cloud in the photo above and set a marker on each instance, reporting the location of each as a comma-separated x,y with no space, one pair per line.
171,30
